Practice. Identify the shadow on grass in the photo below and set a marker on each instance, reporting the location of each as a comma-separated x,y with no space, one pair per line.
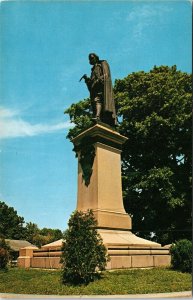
78,282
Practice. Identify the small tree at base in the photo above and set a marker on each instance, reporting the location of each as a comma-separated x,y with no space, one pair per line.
83,252
4,254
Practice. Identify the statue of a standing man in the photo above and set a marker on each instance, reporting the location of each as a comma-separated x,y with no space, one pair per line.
101,91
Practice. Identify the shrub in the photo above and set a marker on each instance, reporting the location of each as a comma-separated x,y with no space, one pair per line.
83,252
181,255
4,254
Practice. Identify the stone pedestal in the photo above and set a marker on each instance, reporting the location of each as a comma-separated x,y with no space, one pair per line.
103,195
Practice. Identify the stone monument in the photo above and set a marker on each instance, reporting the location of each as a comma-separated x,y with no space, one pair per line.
99,186
103,191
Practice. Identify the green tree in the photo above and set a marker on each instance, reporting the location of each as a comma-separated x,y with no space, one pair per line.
40,237
154,110
52,234
80,115
32,234
40,240
156,116
4,254
11,225
31,231
83,252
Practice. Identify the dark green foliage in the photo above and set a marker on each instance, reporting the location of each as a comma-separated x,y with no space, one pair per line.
181,256
154,110
40,237
83,251
31,232
4,254
11,225
52,234
80,115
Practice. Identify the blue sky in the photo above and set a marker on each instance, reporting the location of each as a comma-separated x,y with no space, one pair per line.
44,52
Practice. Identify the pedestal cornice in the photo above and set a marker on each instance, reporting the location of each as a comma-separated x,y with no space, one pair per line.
101,134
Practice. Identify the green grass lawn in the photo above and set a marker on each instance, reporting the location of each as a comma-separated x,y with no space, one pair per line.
138,281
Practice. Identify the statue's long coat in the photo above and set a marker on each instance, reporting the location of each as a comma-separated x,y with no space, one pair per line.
109,103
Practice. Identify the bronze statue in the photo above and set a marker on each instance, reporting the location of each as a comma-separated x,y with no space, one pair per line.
100,87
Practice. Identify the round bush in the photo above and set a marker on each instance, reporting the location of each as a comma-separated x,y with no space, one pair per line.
181,256
4,254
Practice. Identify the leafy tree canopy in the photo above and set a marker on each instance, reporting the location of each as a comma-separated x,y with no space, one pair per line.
40,237
80,115
11,225
154,110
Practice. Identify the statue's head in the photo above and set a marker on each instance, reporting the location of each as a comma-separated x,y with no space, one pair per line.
93,58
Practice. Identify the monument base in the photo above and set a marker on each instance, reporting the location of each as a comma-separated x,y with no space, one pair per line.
126,250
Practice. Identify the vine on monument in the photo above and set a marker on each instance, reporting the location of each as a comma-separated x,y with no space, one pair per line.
85,152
